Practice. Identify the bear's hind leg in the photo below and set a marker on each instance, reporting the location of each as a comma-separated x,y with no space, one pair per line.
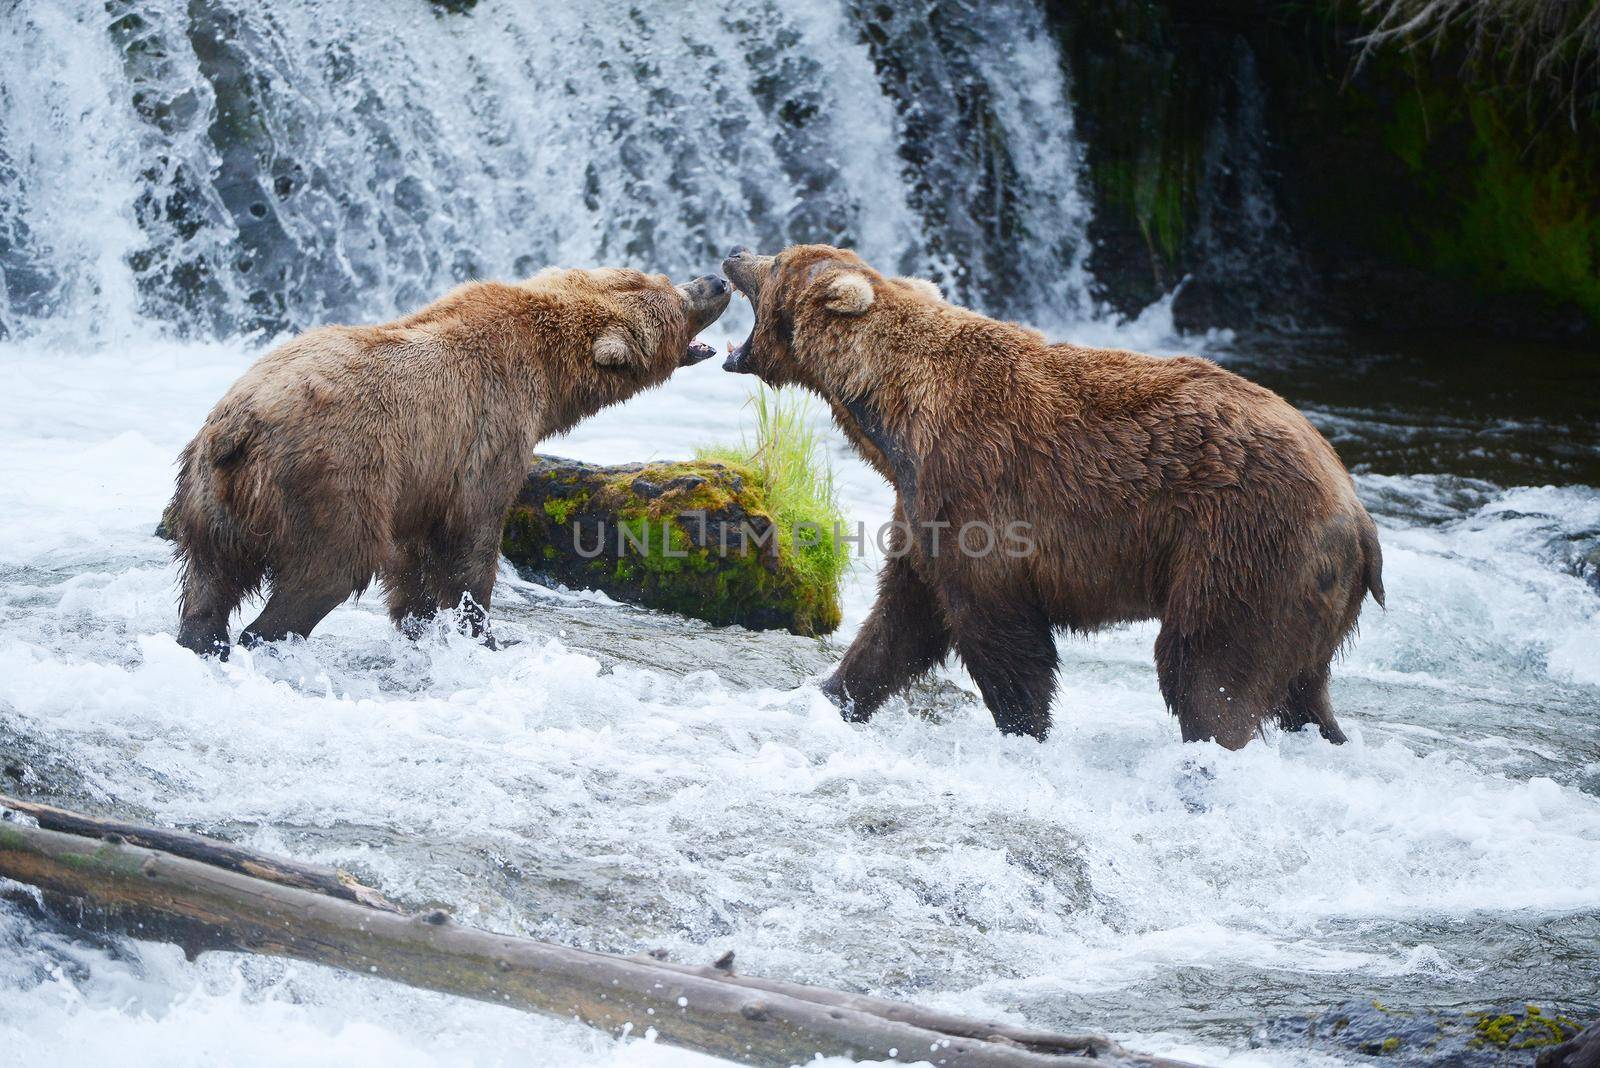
1209,684
464,581
903,637
298,603
1308,702
412,604
1011,655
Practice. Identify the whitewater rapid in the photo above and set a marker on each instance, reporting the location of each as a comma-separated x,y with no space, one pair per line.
1107,878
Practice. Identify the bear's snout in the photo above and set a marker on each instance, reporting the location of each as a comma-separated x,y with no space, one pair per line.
707,298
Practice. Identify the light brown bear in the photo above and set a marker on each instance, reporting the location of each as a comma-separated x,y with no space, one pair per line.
394,450
1095,486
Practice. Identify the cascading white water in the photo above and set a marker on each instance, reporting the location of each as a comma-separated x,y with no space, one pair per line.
231,166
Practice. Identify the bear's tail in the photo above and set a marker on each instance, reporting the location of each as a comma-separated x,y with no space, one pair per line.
1372,558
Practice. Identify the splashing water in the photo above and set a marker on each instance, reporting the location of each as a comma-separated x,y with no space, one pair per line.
699,795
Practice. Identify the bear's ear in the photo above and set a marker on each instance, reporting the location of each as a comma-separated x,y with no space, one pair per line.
849,293
616,347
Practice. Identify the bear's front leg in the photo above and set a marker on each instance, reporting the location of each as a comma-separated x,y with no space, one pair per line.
903,637
463,571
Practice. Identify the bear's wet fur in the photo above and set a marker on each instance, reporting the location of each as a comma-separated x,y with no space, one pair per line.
393,451
1162,488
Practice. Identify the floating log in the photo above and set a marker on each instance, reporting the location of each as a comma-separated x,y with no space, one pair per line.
229,903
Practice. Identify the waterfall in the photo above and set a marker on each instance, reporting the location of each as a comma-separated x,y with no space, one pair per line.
219,167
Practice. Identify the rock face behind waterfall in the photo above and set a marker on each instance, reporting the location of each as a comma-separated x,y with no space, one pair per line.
694,537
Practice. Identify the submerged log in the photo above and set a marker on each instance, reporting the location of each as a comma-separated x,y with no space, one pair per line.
153,893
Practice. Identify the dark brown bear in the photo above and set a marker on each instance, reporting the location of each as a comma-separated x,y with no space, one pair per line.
1113,487
394,450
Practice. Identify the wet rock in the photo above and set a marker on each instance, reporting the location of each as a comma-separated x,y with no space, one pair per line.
1270,157
1436,1038
696,538
1587,567
1580,1052
36,771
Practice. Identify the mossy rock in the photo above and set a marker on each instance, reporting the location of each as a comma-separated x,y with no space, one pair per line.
1262,152
1532,1028
694,537
1520,1036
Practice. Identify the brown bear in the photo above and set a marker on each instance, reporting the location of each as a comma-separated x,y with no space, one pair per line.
1093,486
394,450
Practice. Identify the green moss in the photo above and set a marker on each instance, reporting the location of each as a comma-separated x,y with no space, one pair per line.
1531,1030
1155,187
107,859
1406,134
1390,1044
1525,228
560,509
1518,217
1472,183
525,536
657,545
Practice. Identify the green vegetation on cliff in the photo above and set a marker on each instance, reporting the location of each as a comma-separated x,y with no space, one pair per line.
1432,163
1513,212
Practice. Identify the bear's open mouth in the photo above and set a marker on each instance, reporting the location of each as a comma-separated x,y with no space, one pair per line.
748,273
698,351
738,355
738,359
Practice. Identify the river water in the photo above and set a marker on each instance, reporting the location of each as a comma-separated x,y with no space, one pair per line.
628,783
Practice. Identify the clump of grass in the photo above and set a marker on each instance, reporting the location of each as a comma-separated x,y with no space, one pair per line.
796,482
